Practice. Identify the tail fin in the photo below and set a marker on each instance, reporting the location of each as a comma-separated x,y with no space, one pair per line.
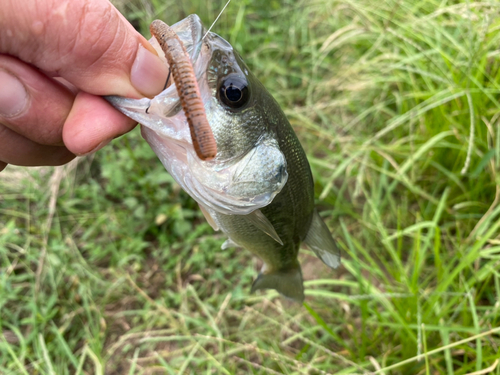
320,241
288,283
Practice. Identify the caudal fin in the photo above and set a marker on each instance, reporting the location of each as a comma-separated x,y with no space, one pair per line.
320,241
287,283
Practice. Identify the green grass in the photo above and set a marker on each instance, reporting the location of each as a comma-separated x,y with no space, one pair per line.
107,267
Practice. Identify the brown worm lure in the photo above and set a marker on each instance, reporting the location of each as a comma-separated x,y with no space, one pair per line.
187,89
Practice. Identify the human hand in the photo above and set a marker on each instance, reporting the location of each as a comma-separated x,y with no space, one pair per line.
57,57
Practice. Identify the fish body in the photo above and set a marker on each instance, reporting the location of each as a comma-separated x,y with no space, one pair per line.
259,188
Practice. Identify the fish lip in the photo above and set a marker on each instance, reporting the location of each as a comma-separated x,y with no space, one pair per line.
190,32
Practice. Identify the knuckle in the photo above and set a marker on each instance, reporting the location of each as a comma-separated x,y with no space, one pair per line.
79,36
100,41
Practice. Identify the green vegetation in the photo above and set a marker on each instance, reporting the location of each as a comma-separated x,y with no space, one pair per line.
107,267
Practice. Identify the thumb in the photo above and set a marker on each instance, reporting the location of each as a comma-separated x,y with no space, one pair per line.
88,43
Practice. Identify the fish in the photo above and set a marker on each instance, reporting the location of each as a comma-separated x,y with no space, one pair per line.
258,190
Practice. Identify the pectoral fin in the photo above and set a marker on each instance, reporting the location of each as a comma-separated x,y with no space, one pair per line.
320,241
287,283
209,217
258,219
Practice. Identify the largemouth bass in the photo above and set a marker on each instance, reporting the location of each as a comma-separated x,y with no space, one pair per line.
259,188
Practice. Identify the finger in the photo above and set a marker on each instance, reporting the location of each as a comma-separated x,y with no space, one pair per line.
86,42
93,123
19,150
31,103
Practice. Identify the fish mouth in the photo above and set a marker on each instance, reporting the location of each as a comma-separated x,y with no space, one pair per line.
154,113
163,113
190,32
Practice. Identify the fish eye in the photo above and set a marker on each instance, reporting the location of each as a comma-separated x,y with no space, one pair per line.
234,91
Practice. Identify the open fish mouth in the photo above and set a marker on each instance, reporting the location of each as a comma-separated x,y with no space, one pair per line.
182,73
190,31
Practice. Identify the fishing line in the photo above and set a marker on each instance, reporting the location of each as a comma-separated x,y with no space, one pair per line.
220,14
168,79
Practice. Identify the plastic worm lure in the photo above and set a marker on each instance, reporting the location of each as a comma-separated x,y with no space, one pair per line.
187,89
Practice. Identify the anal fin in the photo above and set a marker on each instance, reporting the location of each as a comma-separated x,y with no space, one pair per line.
320,240
287,283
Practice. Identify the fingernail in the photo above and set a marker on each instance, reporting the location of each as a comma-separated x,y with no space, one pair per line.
148,73
97,148
13,95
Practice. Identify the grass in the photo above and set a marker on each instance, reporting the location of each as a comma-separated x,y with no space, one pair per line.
108,268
